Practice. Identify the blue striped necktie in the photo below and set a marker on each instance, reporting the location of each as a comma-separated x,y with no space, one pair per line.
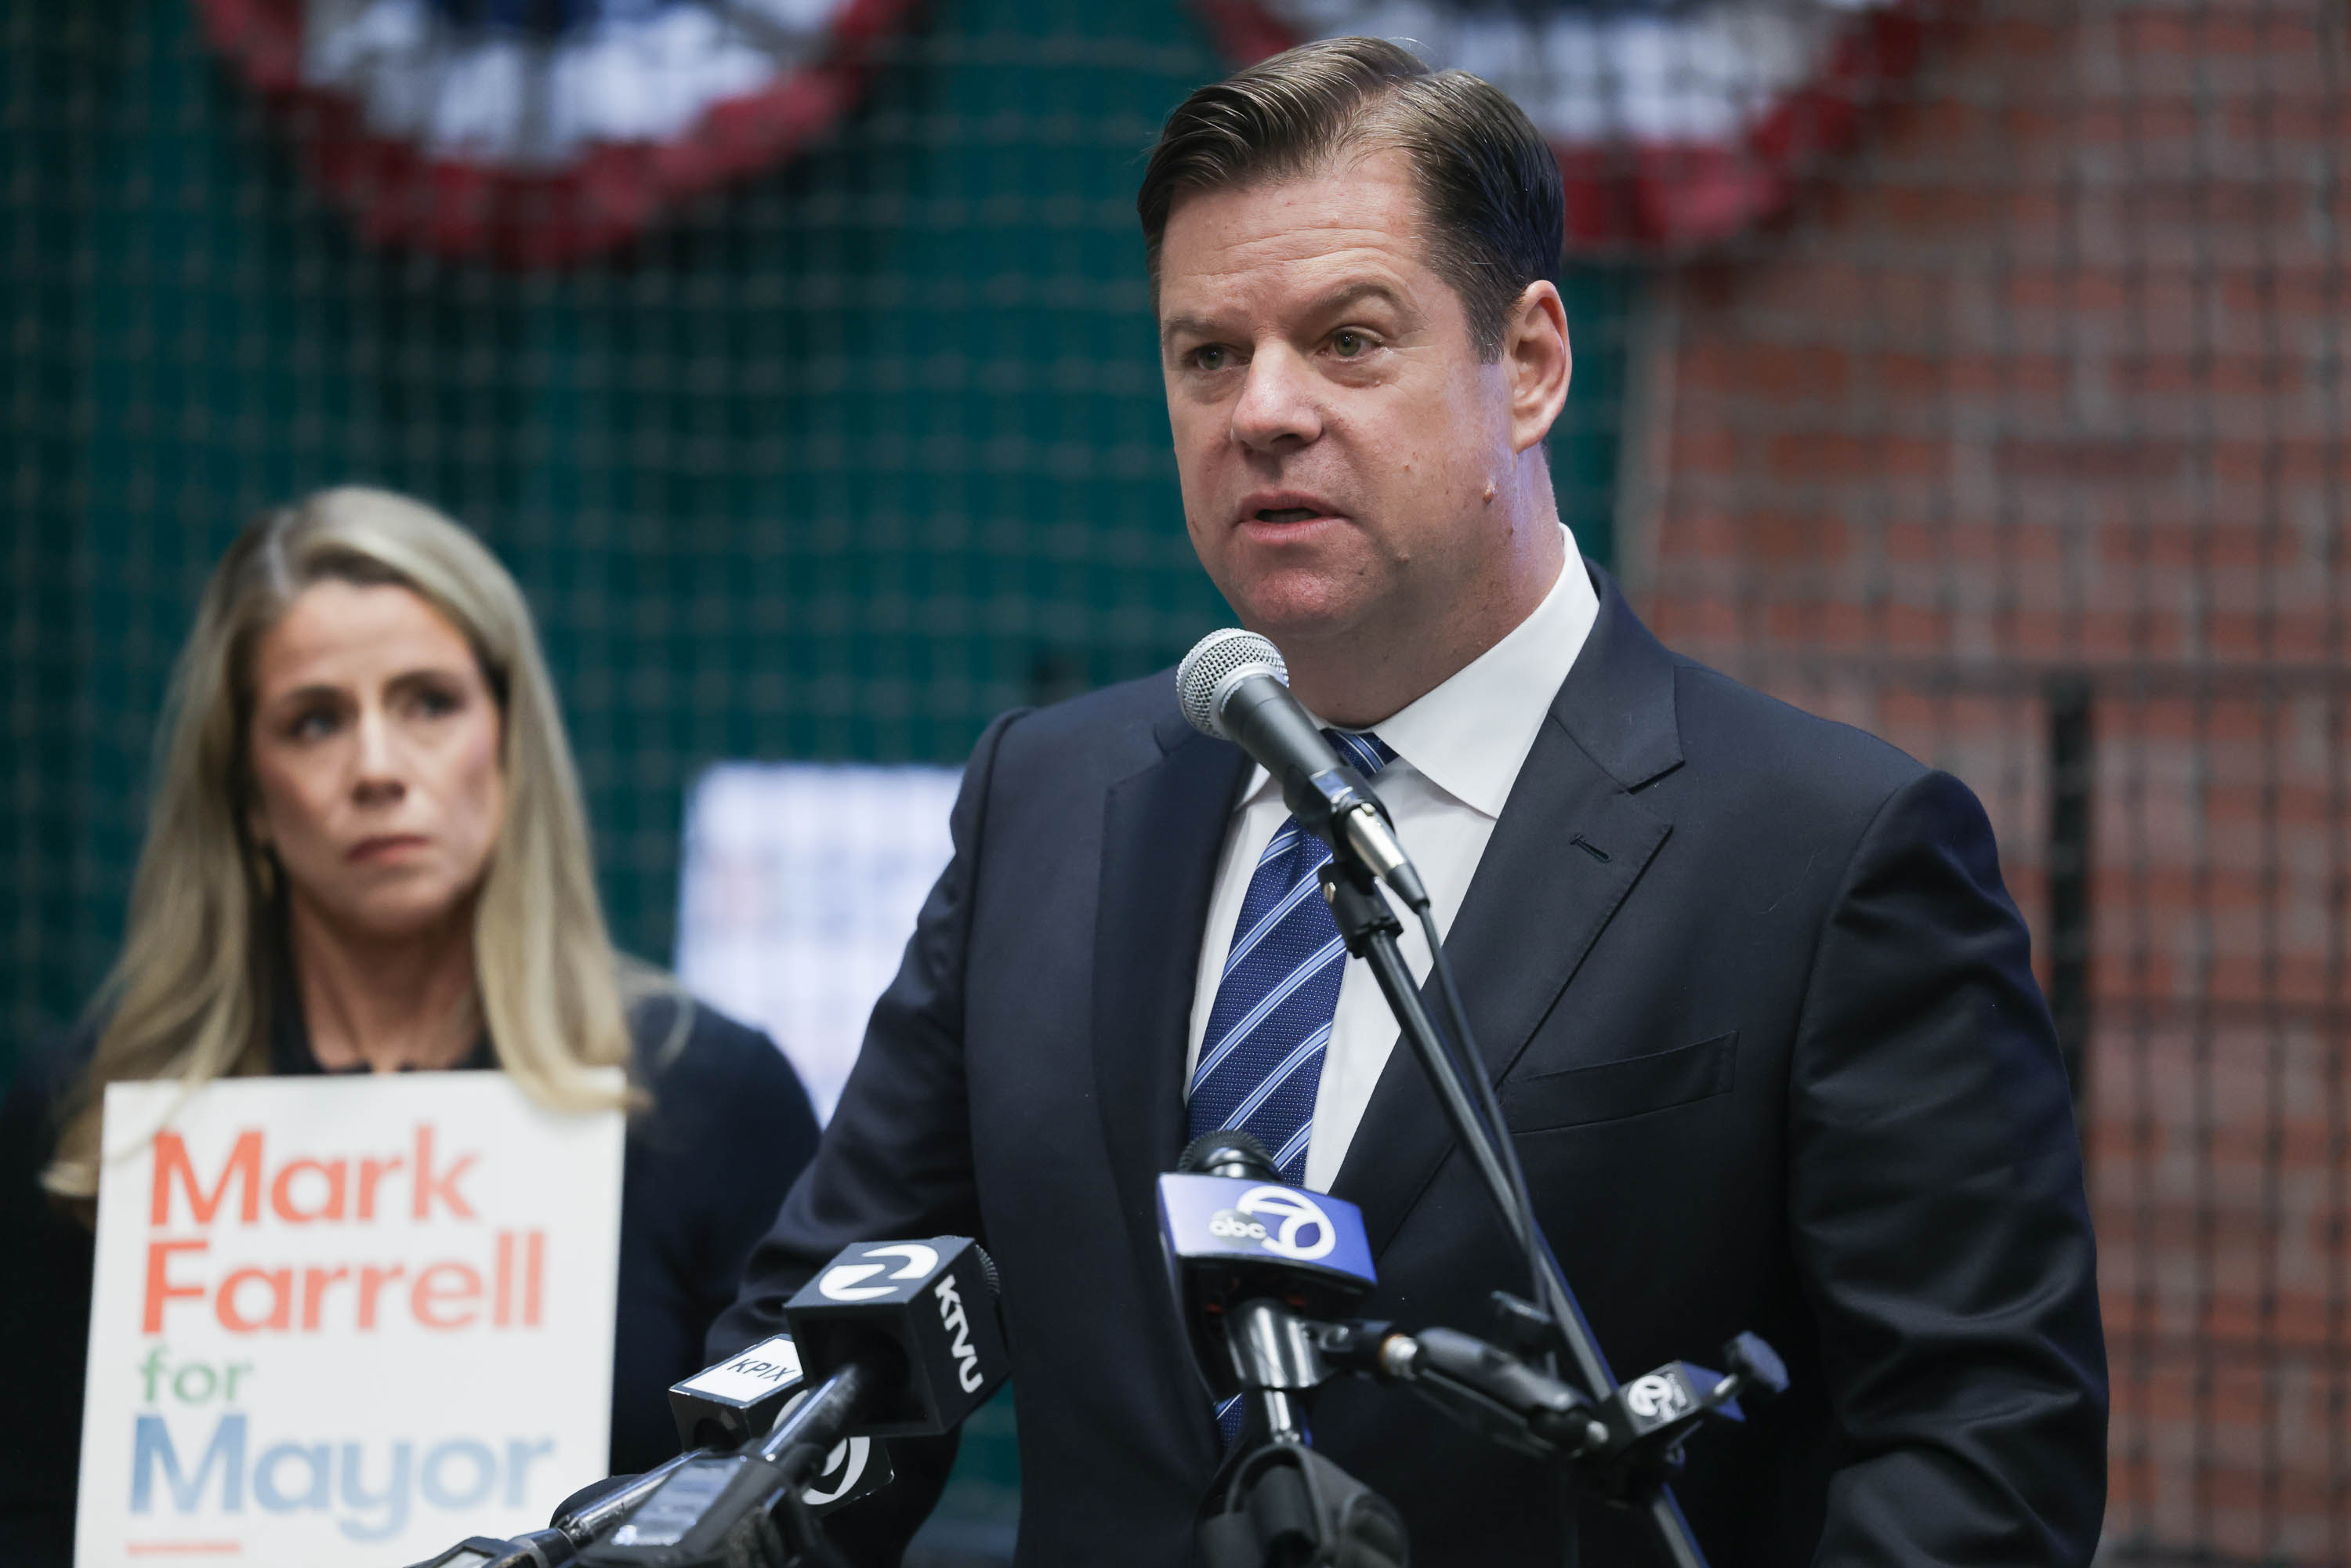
1261,1055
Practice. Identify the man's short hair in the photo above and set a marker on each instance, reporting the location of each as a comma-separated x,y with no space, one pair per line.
1486,177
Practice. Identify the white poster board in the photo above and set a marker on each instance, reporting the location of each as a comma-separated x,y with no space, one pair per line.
801,886
340,1323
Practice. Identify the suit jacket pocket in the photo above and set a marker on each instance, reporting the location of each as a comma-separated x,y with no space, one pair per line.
1609,1089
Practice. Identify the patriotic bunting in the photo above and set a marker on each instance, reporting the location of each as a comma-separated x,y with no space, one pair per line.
1678,123
545,130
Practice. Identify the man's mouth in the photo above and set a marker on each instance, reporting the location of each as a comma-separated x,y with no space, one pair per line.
1285,514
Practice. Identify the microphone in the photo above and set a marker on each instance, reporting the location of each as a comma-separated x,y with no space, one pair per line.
579,1520
725,1405
1228,1152
1234,686
1269,1261
743,1398
922,1315
893,1339
1263,1260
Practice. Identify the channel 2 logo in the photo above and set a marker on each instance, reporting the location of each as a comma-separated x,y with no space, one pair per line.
1280,1219
844,1467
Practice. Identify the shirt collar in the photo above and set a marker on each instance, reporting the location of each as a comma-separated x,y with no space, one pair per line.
1470,735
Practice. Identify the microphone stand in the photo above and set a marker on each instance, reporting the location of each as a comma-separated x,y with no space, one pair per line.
1370,928
1284,1505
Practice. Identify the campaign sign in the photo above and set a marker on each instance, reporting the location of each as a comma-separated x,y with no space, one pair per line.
343,1321
1238,1220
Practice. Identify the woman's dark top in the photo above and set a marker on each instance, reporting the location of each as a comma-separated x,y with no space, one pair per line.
702,1176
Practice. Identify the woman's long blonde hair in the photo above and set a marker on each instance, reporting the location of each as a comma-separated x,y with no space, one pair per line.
190,996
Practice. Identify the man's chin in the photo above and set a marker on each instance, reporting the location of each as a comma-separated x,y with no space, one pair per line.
1305,612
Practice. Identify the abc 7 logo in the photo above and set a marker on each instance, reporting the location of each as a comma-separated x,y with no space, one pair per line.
1281,1220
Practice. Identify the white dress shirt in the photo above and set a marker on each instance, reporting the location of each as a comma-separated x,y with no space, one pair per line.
1458,750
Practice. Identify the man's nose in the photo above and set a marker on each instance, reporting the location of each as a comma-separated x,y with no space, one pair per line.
381,776
1277,409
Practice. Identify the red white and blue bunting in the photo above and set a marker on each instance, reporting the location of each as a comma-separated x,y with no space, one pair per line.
545,130
1678,123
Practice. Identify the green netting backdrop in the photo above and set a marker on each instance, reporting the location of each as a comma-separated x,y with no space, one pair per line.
837,464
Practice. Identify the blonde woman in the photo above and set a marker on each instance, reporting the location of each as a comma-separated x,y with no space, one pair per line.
367,855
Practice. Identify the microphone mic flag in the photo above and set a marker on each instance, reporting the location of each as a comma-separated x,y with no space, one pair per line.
1233,1236
742,1397
722,1406
926,1308
893,1339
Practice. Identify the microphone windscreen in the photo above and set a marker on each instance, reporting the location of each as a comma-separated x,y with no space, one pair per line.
988,1271
1228,1152
1209,670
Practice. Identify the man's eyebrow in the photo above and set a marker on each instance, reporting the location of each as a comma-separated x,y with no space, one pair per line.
1347,294
1337,300
1176,326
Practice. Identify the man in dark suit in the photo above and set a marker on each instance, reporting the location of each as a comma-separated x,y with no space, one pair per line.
1760,1009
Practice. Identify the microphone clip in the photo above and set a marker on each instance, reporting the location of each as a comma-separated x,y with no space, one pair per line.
1621,1446
1339,806
1361,915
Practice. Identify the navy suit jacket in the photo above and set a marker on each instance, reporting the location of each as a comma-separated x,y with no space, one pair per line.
1767,1039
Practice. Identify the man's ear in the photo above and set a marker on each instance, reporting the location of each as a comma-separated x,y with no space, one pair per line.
1537,361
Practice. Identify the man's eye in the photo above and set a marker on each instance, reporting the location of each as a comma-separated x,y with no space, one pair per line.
1348,343
1210,357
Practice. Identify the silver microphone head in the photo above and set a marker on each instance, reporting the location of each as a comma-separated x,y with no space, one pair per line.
1209,671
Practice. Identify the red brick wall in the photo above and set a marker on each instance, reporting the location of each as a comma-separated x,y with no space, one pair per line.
2048,378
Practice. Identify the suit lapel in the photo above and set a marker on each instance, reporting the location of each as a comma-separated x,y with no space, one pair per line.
1571,844
1162,834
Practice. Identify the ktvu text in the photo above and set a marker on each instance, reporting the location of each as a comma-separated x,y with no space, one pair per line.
434,1271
